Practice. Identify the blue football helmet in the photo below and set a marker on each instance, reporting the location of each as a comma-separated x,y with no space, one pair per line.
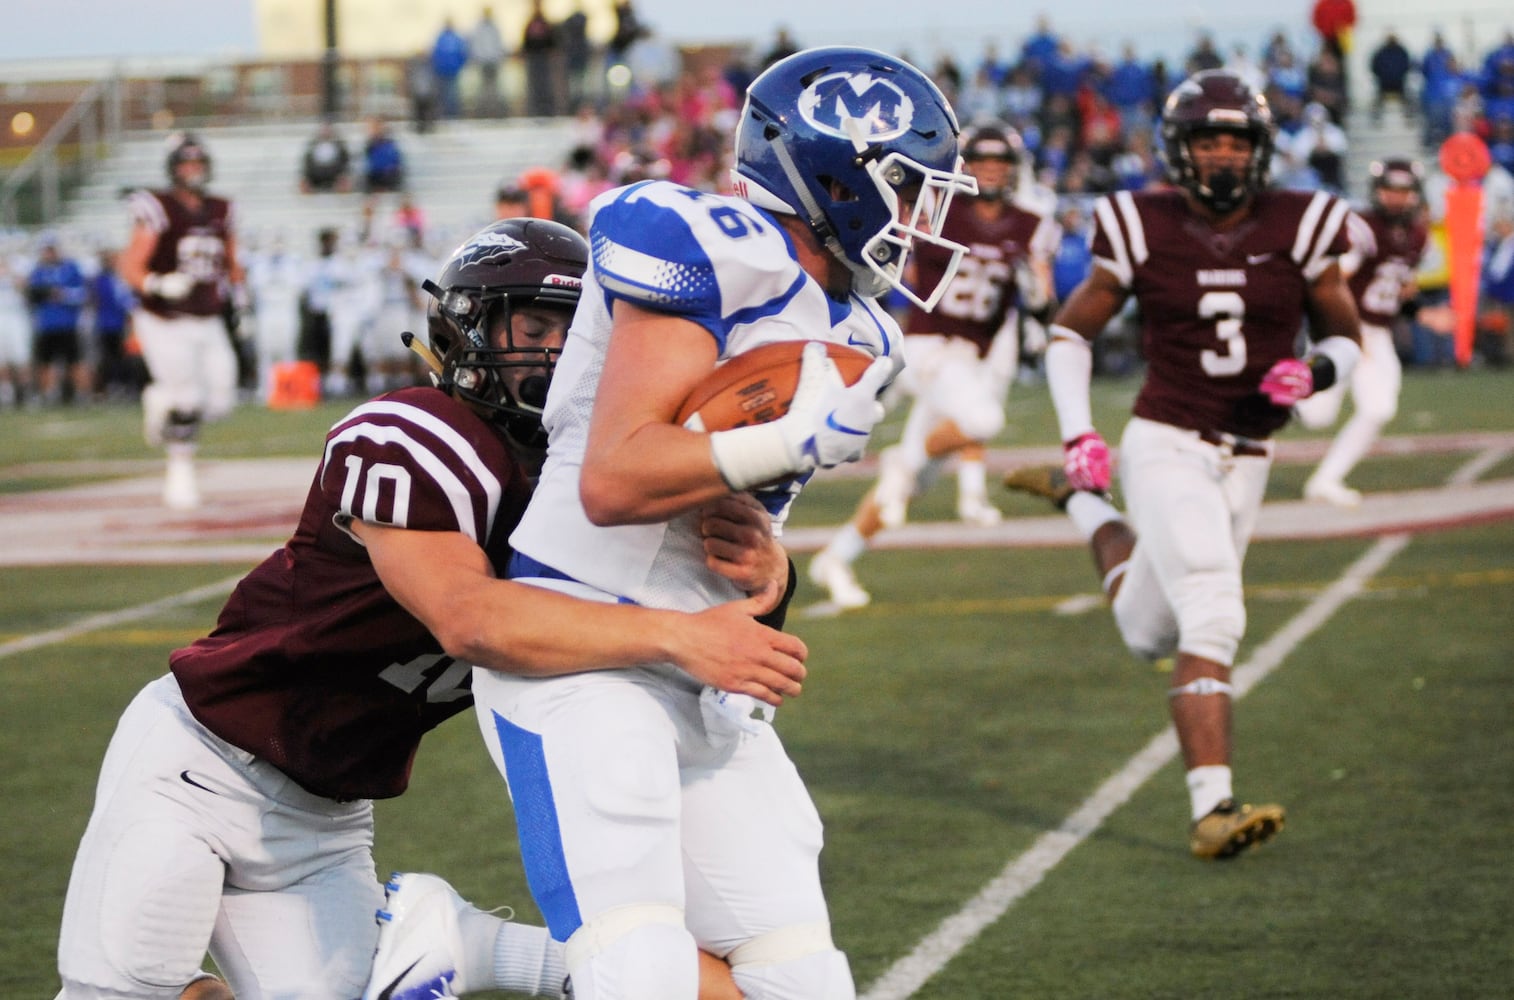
836,135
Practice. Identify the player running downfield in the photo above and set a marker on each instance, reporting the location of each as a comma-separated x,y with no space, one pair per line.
1388,239
961,357
1225,271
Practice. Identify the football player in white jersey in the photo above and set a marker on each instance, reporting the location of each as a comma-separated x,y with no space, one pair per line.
658,817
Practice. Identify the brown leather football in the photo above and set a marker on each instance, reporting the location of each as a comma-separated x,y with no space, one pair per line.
758,385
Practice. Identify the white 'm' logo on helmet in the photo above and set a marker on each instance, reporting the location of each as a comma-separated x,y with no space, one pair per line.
876,104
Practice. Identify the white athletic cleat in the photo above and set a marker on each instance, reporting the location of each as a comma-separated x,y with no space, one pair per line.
838,579
1335,493
420,949
180,490
978,512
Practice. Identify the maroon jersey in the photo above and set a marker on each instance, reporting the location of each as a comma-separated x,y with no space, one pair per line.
1385,254
983,290
312,665
190,241
1217,308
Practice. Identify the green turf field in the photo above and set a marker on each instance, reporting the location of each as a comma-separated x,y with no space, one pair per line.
953,724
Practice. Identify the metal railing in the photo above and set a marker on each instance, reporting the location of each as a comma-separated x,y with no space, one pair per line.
68,154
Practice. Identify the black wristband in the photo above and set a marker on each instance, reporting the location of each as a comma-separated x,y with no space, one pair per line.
1322,371
776,617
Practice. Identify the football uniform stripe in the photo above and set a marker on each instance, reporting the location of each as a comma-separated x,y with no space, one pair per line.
1305,232
1120,264
1321,257
1139,252
146,209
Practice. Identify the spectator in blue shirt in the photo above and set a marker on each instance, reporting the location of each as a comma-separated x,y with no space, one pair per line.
383,162
1390,67
1039,47
449,55
58,293
1073,258
112,300
1496,312
1131,89
1062,73
1501,140
1503,53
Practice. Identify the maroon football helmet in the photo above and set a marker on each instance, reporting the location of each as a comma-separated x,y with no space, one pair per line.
184,147
1217,100
993,140
505,266
1400,174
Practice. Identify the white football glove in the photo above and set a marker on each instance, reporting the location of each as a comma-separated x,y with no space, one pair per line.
173,286
828,424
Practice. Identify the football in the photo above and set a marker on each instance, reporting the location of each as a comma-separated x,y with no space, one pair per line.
757,386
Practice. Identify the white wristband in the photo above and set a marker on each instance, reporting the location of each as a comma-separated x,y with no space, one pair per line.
1343,353
1069,368
752,456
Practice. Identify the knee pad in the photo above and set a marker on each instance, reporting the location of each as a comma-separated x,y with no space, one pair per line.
1211,616
792,963
181,425
640,952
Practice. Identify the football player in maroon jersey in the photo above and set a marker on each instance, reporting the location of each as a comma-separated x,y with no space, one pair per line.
182,262
1224,271
1388,239
234,811
961,357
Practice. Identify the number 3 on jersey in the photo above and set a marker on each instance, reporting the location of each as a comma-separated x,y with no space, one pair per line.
1227,309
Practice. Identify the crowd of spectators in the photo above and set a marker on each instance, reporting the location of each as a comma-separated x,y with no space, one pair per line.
1088,124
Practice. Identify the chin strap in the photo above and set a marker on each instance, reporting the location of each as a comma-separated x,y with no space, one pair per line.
816,218
422,351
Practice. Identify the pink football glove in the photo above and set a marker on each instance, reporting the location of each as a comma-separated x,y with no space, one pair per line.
1086,461
1287,382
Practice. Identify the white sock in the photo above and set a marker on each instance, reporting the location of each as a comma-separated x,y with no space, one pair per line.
1090,512
972,480
1208,786
506,956
847,544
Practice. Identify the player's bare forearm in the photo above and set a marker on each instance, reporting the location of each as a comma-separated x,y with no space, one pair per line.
639,467
1091,305
445,580
1331,308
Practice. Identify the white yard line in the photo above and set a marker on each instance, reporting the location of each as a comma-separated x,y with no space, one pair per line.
106,619
1025,872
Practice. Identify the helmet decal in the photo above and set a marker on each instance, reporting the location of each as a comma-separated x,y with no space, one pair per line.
863,147
488,248
832,101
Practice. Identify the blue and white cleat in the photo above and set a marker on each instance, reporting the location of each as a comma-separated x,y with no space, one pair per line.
420,949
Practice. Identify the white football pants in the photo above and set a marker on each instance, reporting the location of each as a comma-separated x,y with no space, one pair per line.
1374,384
644,833
1193,508
195,845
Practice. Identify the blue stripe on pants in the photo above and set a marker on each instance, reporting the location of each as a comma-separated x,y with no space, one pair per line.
536,822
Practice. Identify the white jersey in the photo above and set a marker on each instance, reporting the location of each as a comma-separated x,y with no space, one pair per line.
716,260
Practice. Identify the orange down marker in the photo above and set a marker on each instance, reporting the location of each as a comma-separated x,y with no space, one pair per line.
1465,159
